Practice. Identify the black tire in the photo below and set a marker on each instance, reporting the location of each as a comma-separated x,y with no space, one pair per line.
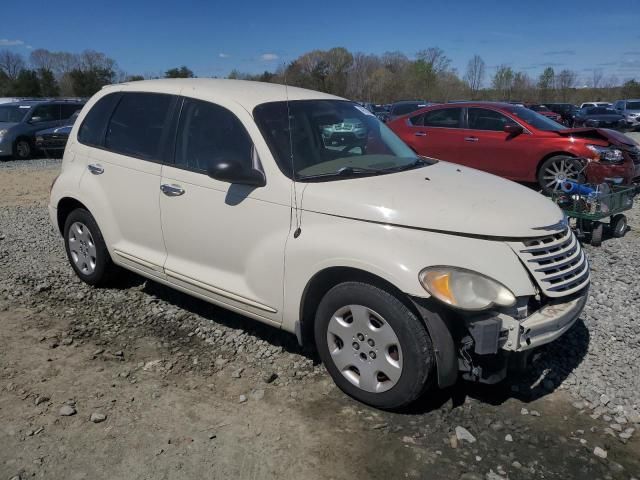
22,149
560,162
618,226
596,234
417,355
105,270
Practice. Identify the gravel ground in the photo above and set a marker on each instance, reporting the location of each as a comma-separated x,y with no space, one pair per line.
34,164
588,381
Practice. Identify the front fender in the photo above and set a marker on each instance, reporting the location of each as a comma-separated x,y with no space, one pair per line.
395,254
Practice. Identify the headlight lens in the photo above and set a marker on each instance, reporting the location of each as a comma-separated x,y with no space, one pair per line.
39,139
606,154
465,289
3,131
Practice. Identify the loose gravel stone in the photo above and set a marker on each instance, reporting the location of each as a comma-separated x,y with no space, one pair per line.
67,411
464,434
97,417
599,452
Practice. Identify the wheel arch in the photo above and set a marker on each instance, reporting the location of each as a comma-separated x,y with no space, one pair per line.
553,154
66,205
435,319
325,280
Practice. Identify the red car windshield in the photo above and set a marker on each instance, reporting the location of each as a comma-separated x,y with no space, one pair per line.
537,121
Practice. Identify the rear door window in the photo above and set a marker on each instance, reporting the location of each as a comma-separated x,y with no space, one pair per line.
209,134
138,125
95,122
443,118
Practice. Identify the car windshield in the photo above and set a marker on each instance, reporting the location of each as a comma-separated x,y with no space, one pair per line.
600,111
329,139
534,119
13,113
633,105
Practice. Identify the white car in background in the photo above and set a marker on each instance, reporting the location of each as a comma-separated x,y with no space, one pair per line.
404,272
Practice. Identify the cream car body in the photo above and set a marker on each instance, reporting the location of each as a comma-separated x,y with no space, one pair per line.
258,251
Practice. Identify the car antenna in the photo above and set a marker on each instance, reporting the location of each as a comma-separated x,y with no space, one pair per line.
298,229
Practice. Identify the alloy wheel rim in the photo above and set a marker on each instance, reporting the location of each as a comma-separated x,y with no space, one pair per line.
365,348
558,172
82,248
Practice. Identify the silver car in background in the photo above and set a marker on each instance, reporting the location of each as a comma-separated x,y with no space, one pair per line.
631,111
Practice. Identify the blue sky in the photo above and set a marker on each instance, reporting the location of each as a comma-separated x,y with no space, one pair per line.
214,37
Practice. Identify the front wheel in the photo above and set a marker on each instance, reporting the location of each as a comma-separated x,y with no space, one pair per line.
618,226
22,149
558,169
375,348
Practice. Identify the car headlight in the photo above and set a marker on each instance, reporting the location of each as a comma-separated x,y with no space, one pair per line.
3,132
39,139
465,289
606,154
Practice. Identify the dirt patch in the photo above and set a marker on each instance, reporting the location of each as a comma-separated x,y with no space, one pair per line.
24,187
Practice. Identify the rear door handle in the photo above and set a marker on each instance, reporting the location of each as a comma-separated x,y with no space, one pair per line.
470,139
420,134
171,190
95,168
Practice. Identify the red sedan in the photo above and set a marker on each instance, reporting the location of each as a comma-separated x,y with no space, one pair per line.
519,144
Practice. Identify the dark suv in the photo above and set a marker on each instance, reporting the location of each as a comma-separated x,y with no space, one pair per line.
19,121
566,110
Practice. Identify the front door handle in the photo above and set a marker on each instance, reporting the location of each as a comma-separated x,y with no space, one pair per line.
95,168
470,139
171,190
420,134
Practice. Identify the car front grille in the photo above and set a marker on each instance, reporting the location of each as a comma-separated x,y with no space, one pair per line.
556,262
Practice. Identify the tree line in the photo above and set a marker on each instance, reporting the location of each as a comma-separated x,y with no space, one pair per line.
385,78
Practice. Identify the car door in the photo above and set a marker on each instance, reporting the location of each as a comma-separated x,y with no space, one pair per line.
225,242
490,148
122,179
436,133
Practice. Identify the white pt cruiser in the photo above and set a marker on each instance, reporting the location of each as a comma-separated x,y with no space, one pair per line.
403,271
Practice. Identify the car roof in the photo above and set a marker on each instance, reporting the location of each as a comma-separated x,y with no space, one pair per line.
247,93
471,103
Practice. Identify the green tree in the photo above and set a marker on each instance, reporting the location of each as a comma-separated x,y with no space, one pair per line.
26,84
181,72
48,85
134,78
87,82
502,81
631,89
546,82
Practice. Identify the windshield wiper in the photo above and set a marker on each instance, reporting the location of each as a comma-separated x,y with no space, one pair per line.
418,162
345,172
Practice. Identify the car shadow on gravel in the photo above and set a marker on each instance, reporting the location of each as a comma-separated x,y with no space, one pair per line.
221,316
550,366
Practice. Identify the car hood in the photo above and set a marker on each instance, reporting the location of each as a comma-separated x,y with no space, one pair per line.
442,197
7,125
59,130
611,136
605,116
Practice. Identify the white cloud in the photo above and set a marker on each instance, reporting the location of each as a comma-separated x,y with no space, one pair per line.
29,47
10,43
268,57
224,55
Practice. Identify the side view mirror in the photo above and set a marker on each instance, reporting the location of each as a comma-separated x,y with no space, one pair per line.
513,129
35,119
233,172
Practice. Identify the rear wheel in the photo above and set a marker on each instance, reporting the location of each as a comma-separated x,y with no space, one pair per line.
556,170
374,347
86,249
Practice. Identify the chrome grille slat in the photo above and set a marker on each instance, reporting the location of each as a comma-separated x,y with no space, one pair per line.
556,262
